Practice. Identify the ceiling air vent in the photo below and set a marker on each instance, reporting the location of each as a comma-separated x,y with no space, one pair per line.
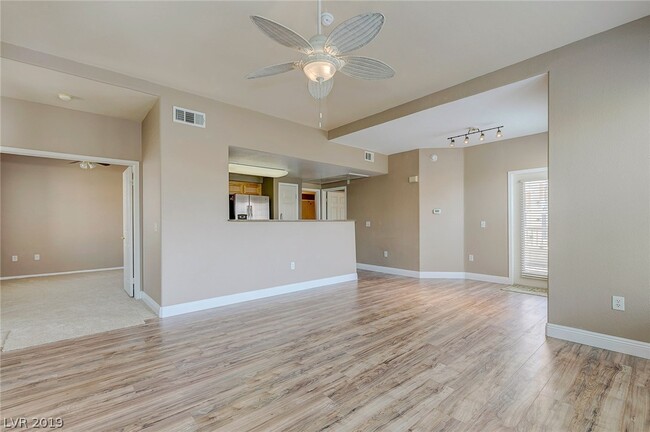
369,156
193,118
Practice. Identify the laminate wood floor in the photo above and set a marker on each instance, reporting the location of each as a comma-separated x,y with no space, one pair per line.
384,353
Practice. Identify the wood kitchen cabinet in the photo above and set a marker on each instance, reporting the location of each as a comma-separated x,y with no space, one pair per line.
238,187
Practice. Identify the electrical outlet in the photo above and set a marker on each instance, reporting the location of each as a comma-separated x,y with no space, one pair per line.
14,258
292,265
37,257
618,303
367,224
471,257
385,254
436,211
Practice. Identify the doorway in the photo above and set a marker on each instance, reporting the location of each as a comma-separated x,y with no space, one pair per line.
74,247
528,227
311,208
334,203
288,201
131,209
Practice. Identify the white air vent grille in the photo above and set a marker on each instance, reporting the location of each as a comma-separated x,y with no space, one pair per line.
193,118
369,156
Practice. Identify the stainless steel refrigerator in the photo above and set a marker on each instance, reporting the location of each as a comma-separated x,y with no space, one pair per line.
249,207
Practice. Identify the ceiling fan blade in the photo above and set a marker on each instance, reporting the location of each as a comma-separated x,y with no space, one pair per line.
102,164
73,162
354,33
272,70
366,68
282,35
319,90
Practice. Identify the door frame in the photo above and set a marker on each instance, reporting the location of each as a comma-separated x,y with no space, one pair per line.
324,199
297,186
512,175
316,198
137,239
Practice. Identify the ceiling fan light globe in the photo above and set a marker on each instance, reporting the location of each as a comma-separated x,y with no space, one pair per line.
319,70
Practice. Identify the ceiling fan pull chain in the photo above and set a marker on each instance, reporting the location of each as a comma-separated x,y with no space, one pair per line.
318,18
320,114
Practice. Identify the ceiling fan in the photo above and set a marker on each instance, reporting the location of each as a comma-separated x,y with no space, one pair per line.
324,55
88,165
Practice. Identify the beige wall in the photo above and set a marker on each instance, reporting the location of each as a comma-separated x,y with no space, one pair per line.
36,126
204,255
441,186
151,228
391,204
486,198
71,217
599,183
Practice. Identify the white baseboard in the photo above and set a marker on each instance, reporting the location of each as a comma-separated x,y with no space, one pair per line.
434,275
60,273
177,309
389,270
488,278
151,303
599,340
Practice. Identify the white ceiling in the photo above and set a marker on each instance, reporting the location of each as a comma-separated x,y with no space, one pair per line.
208,47
36,84
521,107
300,168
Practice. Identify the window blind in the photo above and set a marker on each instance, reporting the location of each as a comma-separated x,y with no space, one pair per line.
534,229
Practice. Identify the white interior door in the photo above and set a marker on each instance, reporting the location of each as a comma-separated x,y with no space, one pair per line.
336,204
127,236
288,201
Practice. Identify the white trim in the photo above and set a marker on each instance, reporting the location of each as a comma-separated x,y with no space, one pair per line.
151,303
137,240
182,308
511,215
489,278
324,200
55,155
298,199
435,275
60,273
599,340
389,270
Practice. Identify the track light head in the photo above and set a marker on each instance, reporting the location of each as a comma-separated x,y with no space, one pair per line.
482,137
466,140
452,143
499,133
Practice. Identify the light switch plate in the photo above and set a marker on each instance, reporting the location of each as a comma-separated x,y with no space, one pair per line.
37,257
367,224
14,258
482,224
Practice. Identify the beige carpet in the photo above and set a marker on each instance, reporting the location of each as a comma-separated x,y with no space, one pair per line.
35,311
523,289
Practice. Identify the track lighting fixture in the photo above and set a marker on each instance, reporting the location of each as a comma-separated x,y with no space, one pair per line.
472,131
